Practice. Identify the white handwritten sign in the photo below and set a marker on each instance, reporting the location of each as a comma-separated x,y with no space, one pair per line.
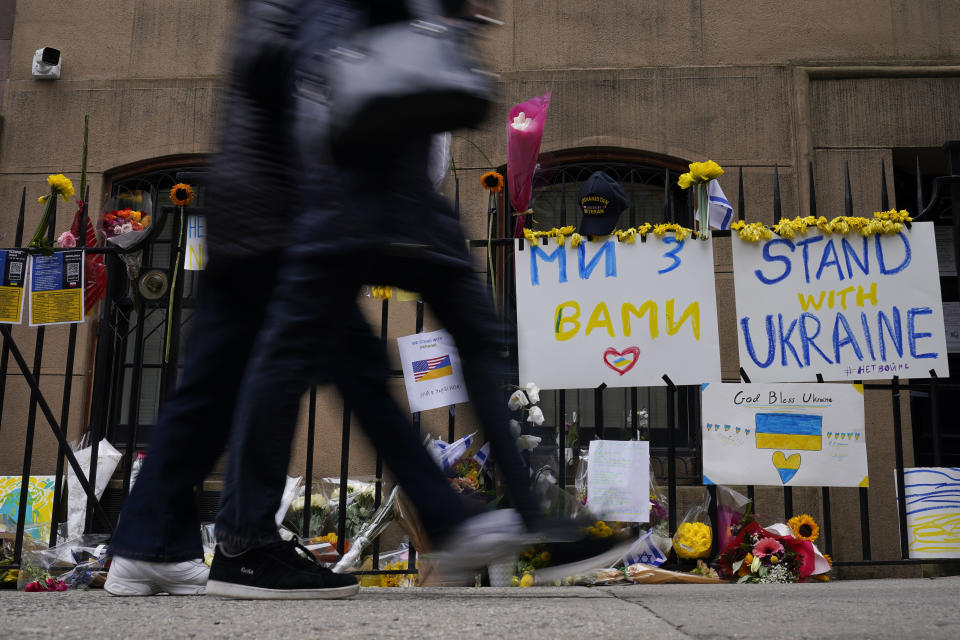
617,313
846,306
784,435
196,249
431,370
618,480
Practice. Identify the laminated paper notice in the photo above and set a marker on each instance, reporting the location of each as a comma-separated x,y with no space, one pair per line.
13,270
618,480
56,288
431,370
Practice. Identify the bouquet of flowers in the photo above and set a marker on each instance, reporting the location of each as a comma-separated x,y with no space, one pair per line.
126,213
776,554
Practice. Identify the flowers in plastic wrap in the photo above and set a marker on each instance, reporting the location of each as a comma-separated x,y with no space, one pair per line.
524,134
770,555
692,540
320,511
694,537
126,213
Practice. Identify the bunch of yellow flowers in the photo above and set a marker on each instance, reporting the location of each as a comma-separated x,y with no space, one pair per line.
700,172
599,529
692,540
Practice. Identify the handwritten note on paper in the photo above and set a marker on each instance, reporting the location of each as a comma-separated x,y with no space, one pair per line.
618,480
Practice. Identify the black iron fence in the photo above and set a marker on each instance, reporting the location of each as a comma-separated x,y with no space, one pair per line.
122,328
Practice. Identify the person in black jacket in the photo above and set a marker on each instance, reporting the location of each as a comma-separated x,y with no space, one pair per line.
378,222
252,190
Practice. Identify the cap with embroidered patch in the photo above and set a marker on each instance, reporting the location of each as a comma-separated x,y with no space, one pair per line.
602,201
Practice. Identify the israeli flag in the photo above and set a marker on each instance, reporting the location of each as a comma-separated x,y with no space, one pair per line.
719,211
645,551
446,454
480,457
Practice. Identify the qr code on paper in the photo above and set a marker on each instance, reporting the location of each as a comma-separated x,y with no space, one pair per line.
73,271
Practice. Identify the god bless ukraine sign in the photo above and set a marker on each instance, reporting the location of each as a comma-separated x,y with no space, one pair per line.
619,313
848,307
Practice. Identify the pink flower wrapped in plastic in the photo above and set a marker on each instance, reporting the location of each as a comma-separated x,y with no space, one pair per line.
524,133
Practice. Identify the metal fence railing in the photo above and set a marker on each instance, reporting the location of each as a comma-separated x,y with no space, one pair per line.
675,447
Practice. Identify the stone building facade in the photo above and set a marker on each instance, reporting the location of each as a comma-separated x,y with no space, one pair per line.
761,86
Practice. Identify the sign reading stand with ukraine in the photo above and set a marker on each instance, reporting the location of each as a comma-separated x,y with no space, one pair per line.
618,313
784,435
431,370
847,306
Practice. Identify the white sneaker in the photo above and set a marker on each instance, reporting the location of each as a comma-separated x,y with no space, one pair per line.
128,577
479,541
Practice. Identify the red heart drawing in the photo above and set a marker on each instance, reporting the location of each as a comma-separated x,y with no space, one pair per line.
617,360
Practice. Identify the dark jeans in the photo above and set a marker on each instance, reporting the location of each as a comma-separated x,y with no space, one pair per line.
315,300
159,521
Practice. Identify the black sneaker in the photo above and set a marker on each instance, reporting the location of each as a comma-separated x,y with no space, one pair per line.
279,571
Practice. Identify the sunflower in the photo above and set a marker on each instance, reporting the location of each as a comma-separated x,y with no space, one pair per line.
181,194
492,181
804,528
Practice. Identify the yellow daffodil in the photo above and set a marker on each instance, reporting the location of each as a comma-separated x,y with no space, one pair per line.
685,180
705,171
60,185
530,236
526,580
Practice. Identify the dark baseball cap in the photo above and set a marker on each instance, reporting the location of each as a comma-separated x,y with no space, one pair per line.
602,201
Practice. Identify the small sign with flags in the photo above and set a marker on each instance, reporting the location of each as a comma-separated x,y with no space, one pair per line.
431,370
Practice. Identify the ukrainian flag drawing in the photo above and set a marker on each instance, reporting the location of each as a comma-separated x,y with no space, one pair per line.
789,431
432,368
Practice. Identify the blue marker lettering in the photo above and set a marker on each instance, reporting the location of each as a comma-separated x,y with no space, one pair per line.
559,255
771,258
608,250
913,336
748,341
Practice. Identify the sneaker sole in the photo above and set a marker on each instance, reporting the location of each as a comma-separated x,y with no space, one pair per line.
138,588
600,561
245,592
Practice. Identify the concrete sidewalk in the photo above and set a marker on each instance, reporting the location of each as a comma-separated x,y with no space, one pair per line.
898,609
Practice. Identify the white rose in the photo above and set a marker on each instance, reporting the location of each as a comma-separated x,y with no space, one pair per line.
533,392
515,428
527,443
518,400
535,416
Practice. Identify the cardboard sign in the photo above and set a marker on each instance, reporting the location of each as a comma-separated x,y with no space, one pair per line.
196,248
13,271
784,435
56,288
39,503
617,313
431,370
848,307
618,480
933,511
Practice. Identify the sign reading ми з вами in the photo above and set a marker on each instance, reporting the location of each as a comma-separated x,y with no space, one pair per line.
848,307
618,313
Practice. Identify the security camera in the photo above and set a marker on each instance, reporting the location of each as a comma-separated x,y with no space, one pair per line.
46,64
